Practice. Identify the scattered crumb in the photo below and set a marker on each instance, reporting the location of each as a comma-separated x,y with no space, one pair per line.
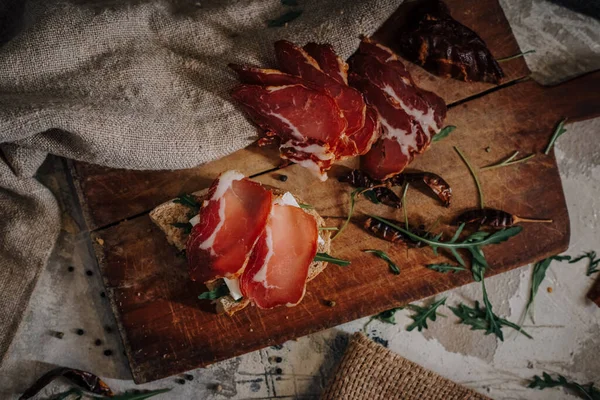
341,12
100,241
330,303
488,149
549,289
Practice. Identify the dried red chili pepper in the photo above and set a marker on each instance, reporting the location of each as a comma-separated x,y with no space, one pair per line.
382,194
436,183
443,46
83,379
493,218
386,232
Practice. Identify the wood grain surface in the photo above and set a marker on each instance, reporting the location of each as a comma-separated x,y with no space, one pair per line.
167,330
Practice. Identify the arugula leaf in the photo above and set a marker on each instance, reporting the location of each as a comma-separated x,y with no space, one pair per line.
423,314
477,319
326,257
372,196
188,200
393,267
491,318
474,175
509,161
186,226
306,206
443,133
445,268
589,393
284,19
515,56
216,293
592,264
140,396
387,316
557,133
539,273
353,196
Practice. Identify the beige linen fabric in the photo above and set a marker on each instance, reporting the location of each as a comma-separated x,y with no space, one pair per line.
370,371
131,84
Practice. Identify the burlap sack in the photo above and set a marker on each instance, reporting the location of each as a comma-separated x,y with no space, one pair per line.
129,84
370,371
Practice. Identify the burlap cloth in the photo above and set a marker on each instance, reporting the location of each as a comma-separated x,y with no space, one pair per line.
370,371
130,84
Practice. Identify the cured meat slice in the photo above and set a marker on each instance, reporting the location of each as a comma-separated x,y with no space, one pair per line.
232,218
317,158
278,267
294,112
385,159
264,76
360,141
296,61
328,61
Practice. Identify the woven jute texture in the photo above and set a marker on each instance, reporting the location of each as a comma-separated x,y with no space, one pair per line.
369,371
138,84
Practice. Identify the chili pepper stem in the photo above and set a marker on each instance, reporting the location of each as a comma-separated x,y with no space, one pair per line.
516,220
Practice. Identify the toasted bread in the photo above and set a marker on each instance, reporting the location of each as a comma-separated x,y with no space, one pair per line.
169,213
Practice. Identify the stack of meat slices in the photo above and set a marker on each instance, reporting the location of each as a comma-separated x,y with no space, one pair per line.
309,106
409,116
320,119
261,244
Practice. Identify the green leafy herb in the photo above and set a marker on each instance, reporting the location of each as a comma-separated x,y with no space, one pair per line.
557,133
443,133
216,293
515,56
289,2
188,200
423,314
306,206
326,257
509,161
140,396
186,226
284,19
387,316
592,264
588,392
445,268
472,243
477,318
539,273
393,267
475,176
353,196
369,194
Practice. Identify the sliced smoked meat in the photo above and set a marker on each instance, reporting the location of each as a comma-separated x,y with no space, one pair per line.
328,61
278,267
232,218
360,141
264,76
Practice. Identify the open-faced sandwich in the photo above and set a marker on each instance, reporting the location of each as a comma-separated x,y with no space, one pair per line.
247,242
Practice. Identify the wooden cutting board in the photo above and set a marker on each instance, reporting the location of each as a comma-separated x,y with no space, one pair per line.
167,330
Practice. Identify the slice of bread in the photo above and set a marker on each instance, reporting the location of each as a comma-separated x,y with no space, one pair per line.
169,213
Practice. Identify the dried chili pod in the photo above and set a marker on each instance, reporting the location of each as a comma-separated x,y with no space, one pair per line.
386,232
493,218
382,194
85,380
436,183
443,46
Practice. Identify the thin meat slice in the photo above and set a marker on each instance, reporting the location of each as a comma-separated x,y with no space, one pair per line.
360,142
313,156
264,76
231,220
294,112
278,267
385,159
296,61
328,61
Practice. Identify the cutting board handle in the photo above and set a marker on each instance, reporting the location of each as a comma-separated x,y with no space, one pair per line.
577,99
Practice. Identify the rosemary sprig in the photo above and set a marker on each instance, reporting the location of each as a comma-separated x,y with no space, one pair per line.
423,314
592,267
471,243
381,254
474,174
589,392
445,268
353,196
284,19
327,258
539,273
515,56
216,293
443,133
557,133
509,161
